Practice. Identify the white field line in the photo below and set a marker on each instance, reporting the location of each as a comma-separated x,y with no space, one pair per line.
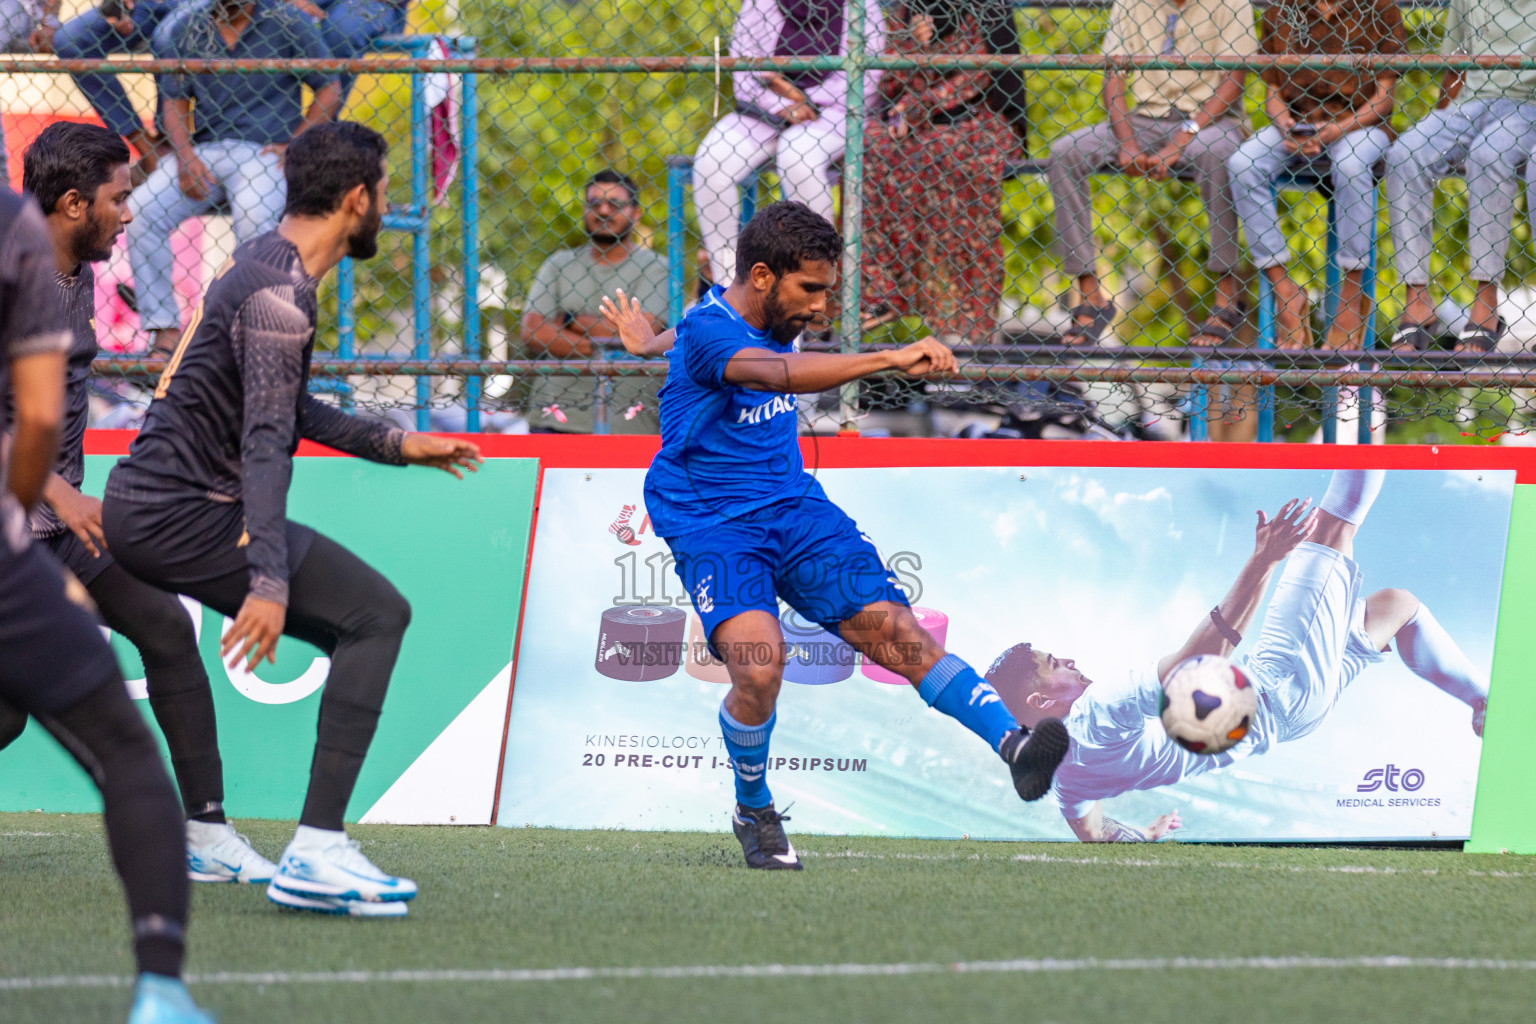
709,971
1112,862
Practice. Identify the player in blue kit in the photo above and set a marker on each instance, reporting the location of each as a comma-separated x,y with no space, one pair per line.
748,525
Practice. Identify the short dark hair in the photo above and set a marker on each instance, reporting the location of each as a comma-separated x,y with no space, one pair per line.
609,176
1015,675
69,155
329,160
783,236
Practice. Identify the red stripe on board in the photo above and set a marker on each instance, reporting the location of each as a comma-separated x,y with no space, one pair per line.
517,642
584,450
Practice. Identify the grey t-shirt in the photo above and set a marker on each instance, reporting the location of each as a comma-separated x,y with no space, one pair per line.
570,283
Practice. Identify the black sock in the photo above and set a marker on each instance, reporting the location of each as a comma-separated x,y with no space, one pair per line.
211,813
159,945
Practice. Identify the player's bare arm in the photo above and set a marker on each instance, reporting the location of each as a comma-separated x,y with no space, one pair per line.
449,454
1098,827
80,512
760,369
37,395
1274,539
635,328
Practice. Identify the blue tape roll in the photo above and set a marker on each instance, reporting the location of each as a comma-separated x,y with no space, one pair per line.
812,656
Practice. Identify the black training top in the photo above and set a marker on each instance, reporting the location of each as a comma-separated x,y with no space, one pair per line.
30,319
231,406
77,299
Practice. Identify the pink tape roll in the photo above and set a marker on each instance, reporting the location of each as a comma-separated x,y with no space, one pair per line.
935,622
701,664
640,644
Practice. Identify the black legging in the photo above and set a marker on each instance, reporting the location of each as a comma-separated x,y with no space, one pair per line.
55,665
107,735
179,693
343,606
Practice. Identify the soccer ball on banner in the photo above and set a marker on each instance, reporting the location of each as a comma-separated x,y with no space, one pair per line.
1208,704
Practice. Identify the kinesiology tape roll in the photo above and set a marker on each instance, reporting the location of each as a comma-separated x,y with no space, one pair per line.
701,663
813,656
639,644
936,623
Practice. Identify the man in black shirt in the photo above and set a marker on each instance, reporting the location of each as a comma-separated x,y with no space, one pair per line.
79,175
199,506
54,665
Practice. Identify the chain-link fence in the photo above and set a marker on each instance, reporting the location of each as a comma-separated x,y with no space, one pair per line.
1147,219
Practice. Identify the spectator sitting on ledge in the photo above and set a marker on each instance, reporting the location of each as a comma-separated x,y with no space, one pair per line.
229,132
1183,120
562,318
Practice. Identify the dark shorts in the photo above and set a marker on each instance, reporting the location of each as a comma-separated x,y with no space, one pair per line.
178,546
52,654
77,558
807,551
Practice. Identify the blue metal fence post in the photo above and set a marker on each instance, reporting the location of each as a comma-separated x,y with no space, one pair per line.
469,205
853,209
1330,410
679,174
1368,288
1266,340
346,320
421,252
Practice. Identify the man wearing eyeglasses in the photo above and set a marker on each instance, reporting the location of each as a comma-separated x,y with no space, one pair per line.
561,318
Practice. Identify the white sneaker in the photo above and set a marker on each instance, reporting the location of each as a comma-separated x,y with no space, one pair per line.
217,853
320,865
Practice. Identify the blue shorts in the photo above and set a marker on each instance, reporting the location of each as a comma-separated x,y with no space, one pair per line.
806,551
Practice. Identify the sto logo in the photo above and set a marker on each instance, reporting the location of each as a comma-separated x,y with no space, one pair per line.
1392,777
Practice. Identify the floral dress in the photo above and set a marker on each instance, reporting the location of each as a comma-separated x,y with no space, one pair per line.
932,223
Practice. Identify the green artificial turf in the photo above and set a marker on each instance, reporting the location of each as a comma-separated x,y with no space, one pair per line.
517,898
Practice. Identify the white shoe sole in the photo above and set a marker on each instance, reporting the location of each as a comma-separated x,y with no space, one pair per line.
336,905
199,876
323,890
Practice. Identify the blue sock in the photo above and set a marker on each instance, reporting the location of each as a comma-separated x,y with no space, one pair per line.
954,688
748,747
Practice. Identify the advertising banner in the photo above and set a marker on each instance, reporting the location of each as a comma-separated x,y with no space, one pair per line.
456,550
614,718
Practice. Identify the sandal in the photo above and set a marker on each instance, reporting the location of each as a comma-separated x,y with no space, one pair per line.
878,315
1482,339
1421,337
1090,333
1222,324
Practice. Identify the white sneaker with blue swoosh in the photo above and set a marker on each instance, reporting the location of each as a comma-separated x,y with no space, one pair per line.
326,871
217,853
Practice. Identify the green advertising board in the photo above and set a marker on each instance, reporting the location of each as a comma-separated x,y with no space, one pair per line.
456,550
1502,821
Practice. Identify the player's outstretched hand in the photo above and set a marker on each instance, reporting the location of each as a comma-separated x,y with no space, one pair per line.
253,635
1274,539
448,454
926,358
633,326
1170,822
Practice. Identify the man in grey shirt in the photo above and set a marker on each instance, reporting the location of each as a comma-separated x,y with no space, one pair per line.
562,320
1488,120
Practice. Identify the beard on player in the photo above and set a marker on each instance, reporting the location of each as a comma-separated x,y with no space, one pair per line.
363,244
783,326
